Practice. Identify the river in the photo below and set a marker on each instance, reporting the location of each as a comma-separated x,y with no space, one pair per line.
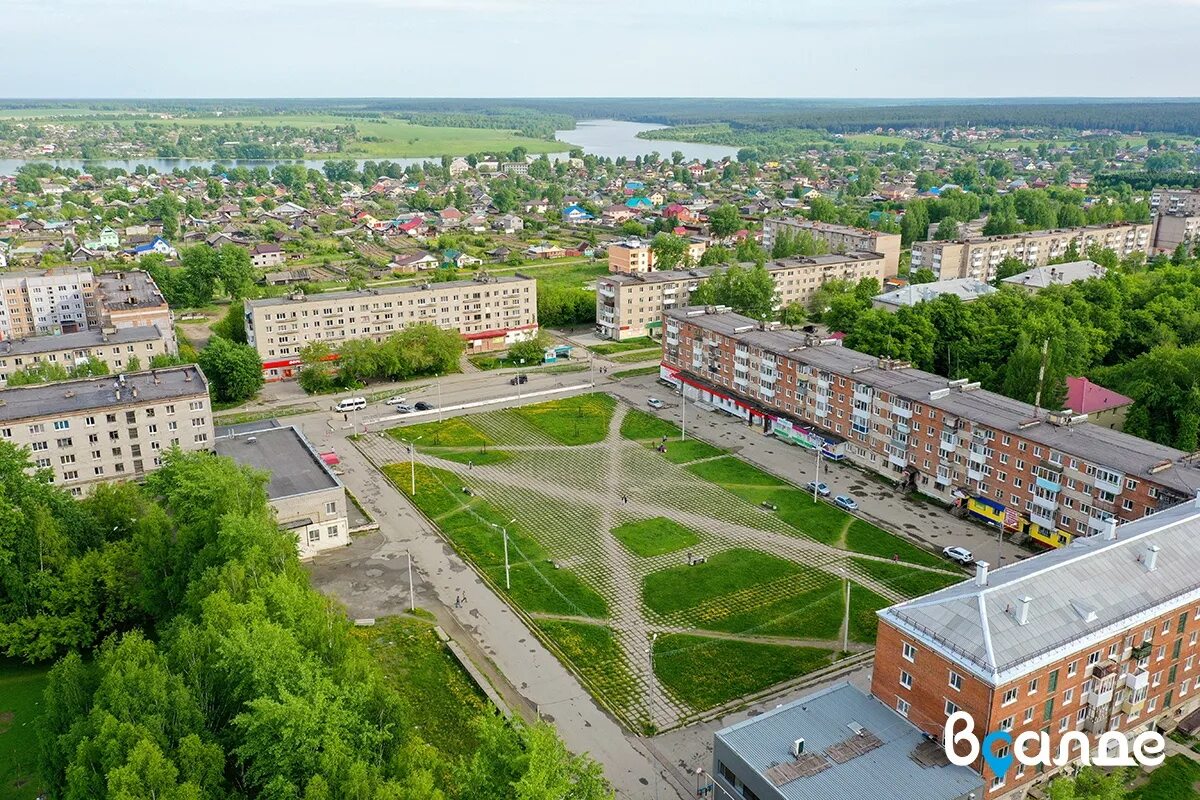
600,137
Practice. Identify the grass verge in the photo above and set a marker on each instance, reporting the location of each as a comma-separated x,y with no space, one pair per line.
654,537
595,654
608,348
635,373
21,687
682,587
907,581
582,419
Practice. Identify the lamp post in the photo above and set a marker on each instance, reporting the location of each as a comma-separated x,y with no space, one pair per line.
412,602
519,374
412,462
817,482
650,652
438,378
504,532
846,616
683,407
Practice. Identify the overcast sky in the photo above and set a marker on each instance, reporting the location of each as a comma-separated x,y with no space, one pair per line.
481,48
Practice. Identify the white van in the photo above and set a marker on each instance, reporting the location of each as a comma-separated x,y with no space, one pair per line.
350,404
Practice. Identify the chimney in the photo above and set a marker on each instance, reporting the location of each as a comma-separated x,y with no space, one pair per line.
135,391
1023,609
117,394
1151,558
981,573
1110,529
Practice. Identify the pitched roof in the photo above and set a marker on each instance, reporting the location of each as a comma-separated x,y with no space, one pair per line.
1085,397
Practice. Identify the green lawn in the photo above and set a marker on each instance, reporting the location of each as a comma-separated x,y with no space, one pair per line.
863,537
21,687
536,584
863,621
638,343
683,586
690,450
705,672
455,439
643,427
595,654
1175,779
653,537
635,373
907,581
438,695
573,420
637,356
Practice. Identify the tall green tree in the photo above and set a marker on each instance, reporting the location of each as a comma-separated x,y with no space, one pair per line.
234,371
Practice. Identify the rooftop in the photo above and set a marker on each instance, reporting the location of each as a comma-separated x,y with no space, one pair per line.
82,340
891,759
1070,272
294,466
1085,397
808,224
1094,588
72,397
387,291
129,289
1121,452
967,289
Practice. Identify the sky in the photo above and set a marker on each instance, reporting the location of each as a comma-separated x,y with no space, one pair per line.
610,48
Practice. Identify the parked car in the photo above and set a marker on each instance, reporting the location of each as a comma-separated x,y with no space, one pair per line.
821,488
423,406
960,554
846,502
654,402
518,379
350,404
404,408
395,401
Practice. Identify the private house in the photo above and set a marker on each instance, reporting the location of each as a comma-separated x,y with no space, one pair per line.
264,256
639,203
1102,406
411,262
508,223
156,245
575,213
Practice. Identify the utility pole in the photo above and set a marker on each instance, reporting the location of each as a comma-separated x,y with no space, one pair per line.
412,464
683,405
846,618
1037,400
412,602
817,482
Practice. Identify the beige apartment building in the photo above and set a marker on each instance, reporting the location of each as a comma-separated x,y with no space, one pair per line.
85,432
980,257
131,299
113,347
489,312
839,239
1172,230
637,256
33,303
1175,201
308,499
628,306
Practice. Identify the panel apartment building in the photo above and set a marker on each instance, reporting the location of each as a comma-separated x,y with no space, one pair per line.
1172,230
631,305
1051,476
113,347
94,430
1099,636
40,302
491,313
839,238
1175,201
634,255
980,256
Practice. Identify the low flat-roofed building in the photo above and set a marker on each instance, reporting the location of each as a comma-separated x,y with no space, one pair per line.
69,350
309,500
111,428
1055,275
852,746
967,289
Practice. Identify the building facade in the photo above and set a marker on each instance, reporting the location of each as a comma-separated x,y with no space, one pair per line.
1050,476
86,432
490,313
1172,230
839,239
1175,201
51,301
114,348
631,305
131,299
1101,636
980,257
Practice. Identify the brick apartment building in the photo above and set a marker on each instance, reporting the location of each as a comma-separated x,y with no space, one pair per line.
1050,476
631,305
635,256
980,256
1100,636
112,347
839,239
489,312
95,430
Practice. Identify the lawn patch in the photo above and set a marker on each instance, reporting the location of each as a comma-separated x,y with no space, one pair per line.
863,621
1174,779
653,537
21,687
453,432
439,697
582,419
682,587
906,581
641,426
595,654
865,538
536,584
636,372
638,343
637,356
690,450
704,673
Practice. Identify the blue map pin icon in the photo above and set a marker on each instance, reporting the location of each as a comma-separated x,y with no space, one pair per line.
999,764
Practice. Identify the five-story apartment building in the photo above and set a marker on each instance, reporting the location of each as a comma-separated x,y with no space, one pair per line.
839,238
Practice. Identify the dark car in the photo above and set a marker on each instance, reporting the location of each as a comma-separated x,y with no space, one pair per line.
517,379
423,406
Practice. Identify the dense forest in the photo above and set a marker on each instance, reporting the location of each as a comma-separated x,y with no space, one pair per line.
195,661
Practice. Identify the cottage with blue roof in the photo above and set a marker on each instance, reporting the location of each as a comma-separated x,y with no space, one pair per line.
639,203
576,213
155,245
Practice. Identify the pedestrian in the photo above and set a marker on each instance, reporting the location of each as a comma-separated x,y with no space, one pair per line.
470,464
345,417
457,601
464,598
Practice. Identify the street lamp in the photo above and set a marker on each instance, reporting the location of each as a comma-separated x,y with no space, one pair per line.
438,378
650,652
504,532
412,461
519,374
846,617
817,482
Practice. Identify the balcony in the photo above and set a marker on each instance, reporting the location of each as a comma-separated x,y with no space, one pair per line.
1044,520
1098,698
1048,485
943,478
1047,505
863,395
1140,679
1112,484
901,411
606,291
977,456
948,445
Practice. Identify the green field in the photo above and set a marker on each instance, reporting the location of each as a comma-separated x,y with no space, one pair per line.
638,343
681,587
440,699
596,655
574,420
21,689
655,537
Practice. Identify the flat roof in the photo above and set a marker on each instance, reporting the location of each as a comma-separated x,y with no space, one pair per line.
129,289
387,291
72,397
294,466
1121,452
832,227
78,341
891,759
966,289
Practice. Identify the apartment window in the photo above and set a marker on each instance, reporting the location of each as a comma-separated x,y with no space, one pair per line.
1052,681
1033,686
331,531
902,706
314,536
1094,658
1010,697
1062,724
67,459
62,424
1068,697
1029,715
331,507
1072,668
89,421
1006,724
909,652
955,681
951,708
1187,665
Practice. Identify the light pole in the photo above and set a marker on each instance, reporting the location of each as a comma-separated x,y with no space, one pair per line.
412,462
817,482
683,406
438,378
412,602
591,370
504,532
846,616
650,652
519,374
